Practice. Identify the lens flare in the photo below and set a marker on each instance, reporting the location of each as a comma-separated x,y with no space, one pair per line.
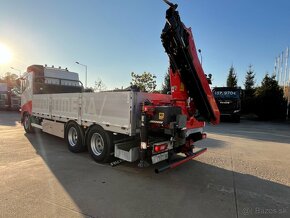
5,54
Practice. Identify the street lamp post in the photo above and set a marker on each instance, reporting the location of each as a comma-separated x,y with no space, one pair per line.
16,70
86,67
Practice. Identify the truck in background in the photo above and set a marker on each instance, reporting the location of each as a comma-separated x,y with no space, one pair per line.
228,100
128,125
9,100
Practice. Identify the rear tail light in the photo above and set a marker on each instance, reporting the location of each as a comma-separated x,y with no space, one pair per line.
160,147
203,135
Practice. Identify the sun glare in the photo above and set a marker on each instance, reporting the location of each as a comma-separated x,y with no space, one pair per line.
5,54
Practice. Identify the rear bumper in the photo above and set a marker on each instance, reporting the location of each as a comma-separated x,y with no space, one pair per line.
182,161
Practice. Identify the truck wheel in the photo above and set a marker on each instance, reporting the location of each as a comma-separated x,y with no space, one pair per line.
100,144
74,137
27,124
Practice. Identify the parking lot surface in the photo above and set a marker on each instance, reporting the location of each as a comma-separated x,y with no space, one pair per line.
244,173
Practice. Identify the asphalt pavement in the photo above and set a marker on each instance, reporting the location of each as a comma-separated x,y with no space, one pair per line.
244,173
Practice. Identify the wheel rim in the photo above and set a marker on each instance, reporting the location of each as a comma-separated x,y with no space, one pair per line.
26,122
72,136
97,144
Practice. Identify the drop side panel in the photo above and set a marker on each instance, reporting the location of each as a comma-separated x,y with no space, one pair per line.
111,110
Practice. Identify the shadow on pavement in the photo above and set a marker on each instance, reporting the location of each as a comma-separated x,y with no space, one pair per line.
194,189
264,131
211,143
8,118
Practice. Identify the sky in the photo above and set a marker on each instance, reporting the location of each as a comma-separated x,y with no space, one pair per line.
114,38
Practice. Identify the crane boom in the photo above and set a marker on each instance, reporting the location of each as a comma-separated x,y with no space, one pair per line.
184,63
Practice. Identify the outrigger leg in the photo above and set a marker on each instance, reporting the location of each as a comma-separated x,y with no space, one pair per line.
144,141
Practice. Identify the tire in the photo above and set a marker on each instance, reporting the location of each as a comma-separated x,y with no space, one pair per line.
27,123
100,144
74,137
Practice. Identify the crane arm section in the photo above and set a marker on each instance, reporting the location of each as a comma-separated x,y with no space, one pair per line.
180,47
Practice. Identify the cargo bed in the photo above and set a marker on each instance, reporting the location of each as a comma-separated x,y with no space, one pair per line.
114,111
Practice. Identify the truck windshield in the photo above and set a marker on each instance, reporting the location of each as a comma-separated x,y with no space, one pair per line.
226,94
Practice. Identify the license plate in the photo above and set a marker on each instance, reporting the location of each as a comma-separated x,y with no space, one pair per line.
159,157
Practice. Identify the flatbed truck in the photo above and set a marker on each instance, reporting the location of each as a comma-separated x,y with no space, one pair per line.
128,125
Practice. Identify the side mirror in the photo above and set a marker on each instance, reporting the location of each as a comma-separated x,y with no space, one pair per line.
19,85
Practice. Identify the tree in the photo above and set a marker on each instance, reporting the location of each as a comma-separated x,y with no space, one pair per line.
145,82
270,99
232,80
10,79
13,84
166,84
249,81
248,101
99,86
